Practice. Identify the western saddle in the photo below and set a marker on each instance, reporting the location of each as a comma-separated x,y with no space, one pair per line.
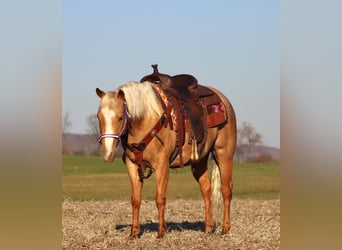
191,101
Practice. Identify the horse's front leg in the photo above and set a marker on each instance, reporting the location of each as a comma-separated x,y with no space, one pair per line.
162,178
136,186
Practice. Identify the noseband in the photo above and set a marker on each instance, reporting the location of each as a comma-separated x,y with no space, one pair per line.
122,131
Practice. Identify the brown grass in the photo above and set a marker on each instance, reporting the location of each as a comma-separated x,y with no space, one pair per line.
106,225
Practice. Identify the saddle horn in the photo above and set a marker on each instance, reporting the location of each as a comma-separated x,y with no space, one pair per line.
155,68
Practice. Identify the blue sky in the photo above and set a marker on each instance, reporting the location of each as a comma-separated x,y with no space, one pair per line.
231,45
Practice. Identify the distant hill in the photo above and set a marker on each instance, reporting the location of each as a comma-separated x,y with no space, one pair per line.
80,144
272,151
84,144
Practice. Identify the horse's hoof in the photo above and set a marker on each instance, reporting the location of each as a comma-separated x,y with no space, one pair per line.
161,235
225,230
132,237
208,230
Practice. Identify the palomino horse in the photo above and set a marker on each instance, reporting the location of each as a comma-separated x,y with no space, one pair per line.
127,114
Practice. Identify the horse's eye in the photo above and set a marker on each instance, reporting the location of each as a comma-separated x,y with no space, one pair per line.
121,118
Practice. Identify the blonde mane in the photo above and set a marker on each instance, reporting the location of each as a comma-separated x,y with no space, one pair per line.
142,100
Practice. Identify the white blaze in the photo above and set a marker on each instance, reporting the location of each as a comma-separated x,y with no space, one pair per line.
108,129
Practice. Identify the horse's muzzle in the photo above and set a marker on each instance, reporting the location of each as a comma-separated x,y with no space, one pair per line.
108,157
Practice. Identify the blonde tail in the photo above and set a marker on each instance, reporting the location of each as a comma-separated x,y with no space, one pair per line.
216,194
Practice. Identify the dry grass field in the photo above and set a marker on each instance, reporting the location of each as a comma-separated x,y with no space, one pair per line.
96,212
106,225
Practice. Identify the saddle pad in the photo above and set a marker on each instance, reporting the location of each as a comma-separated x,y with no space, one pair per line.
217,115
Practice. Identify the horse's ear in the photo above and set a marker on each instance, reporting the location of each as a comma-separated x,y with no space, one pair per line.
121,94
100,93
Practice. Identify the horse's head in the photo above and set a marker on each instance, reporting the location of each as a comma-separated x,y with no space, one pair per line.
113,117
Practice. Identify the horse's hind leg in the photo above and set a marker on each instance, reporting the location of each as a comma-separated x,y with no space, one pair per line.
225,163
200,172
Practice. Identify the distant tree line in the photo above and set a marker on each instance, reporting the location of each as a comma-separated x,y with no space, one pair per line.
247,138
92,129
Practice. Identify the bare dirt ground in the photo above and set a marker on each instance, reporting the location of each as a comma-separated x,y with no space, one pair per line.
107,224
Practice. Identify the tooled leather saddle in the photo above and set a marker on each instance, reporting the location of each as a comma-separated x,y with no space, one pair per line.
193,103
